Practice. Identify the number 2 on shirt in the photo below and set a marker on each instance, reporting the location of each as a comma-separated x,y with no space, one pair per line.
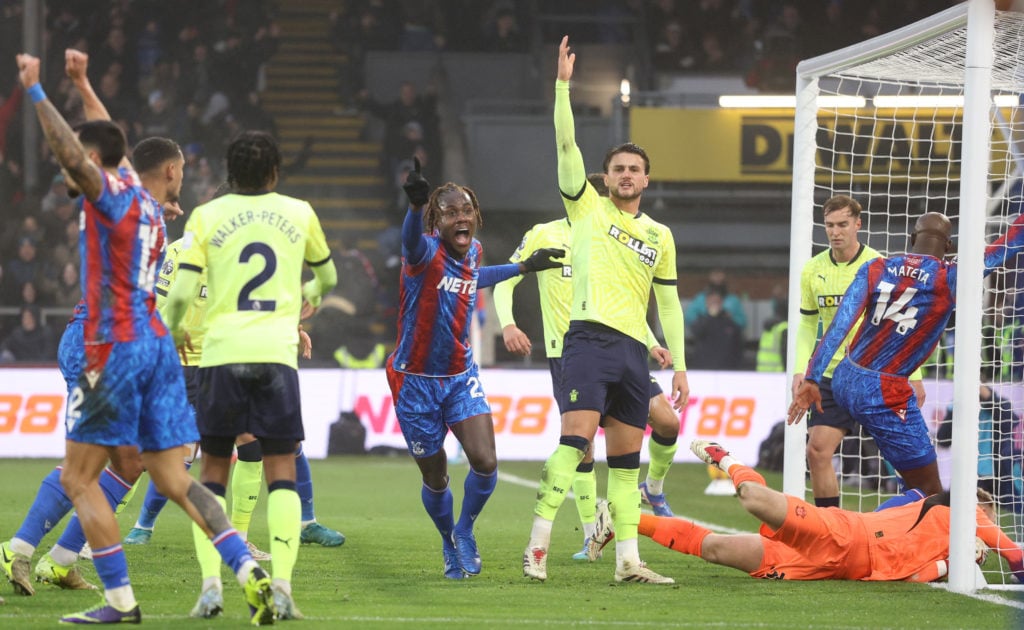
245,302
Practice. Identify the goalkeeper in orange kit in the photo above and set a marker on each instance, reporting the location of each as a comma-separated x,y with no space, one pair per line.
799,541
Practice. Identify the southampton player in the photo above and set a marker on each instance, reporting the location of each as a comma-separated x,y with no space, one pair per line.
800,541
823,281
555,287
434,379
252,244
130,391
905,302
618,254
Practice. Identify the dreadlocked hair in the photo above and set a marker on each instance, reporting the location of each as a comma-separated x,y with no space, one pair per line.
432,213
253,160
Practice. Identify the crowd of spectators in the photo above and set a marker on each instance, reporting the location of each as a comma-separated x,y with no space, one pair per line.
190,70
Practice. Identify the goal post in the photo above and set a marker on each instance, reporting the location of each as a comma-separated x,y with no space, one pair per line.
924,118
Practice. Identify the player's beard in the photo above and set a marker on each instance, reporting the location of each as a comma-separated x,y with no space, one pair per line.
636,192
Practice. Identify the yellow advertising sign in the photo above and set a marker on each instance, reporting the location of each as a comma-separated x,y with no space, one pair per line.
756,145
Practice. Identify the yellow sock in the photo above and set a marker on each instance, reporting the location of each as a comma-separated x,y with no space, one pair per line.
207,555
246,481
284,520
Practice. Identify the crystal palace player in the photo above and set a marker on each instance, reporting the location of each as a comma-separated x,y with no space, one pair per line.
434,379
130,390
906,301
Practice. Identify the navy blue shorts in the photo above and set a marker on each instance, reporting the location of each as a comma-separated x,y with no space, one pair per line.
606,371
834,414
258,398
555,367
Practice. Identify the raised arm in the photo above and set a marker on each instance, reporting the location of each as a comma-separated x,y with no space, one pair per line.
572,174
66,148
76,66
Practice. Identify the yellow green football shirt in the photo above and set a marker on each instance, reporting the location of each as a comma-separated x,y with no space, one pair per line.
554,285
192,321
252,248
823,282
615,258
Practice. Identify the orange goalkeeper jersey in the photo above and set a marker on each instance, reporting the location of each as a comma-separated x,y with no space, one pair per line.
895,544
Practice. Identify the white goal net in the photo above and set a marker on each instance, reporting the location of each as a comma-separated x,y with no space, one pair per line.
886,122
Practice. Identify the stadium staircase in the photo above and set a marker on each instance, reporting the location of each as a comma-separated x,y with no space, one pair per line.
342,178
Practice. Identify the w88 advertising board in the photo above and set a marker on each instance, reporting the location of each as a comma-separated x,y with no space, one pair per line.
738,408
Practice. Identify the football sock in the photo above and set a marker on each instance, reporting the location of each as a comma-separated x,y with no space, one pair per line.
556,478
112,567
826,501
114,489
438,504
304,486
152,505
624,495
900,499
206,553
584,487
476,491
49,506
63,556
284,521
742,474
246,481
674,533
662,451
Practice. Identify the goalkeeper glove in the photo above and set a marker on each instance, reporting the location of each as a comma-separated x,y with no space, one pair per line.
543,259
416,187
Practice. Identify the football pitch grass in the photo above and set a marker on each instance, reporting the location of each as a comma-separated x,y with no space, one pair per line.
388,574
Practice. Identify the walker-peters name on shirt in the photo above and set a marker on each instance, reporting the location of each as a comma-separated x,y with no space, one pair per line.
267,217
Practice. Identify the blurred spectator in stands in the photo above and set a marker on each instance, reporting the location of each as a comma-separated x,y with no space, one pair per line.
252,117
113,50
11,192
30,340
421,27
712,56
55,195
660,13
713,16
771,348
148,48
9,108
341,327
158,119
731,302
196,83
163,78
69,291
716,340
121,103
999,451
673,50
411,106
775,68
503,34
619,21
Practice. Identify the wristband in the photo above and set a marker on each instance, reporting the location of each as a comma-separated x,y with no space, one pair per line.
36,93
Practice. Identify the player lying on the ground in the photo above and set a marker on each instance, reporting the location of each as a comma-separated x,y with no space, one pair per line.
799,541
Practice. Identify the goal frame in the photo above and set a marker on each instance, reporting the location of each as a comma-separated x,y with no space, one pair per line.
979,18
